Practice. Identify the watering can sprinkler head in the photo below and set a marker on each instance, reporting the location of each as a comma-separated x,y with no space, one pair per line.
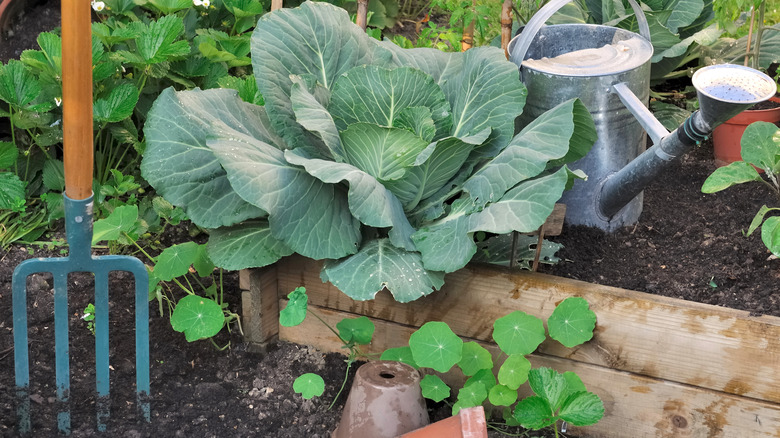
726,90
723,92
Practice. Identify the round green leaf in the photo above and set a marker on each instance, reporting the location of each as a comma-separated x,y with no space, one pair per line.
572,322
434,388
295,311
358,330
514,371
472,394
400,354
435,346
485,377
518,333
197,317
309,385
175,261
500,395
475,358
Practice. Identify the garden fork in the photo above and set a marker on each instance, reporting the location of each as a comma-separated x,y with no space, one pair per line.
78,160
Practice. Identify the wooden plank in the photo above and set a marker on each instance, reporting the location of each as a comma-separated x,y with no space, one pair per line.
681,341
260,307
636,406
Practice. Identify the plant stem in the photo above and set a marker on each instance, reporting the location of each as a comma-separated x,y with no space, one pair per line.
344,383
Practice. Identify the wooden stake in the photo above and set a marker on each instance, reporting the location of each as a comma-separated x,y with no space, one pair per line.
506,26
362,14
276,4
468,33
750,35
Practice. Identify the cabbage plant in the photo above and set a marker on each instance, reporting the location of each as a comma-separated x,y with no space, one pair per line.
383,161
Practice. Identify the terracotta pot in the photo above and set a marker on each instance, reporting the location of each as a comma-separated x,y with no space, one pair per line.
9,10
385,401
469,423
726,137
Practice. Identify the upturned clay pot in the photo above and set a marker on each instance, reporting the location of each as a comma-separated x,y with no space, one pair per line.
726,137
385,401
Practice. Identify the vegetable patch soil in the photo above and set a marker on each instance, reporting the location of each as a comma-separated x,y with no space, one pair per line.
686,245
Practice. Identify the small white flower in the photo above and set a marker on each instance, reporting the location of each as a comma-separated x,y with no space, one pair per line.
58,101
206,3
197,2
98,6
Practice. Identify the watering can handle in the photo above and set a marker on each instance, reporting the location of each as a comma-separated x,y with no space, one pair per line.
519,47
77,97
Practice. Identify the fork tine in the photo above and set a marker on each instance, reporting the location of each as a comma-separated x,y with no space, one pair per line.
62,350
141,277
101,350
21,354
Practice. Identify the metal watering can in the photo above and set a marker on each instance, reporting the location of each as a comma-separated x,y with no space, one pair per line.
608,69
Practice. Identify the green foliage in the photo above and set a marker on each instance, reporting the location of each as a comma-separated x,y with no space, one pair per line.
383,161
760,150
351,332
558,396
89,317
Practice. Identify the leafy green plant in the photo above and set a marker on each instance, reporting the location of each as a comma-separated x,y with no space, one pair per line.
383,161
89,317
760,148
351,332
559,397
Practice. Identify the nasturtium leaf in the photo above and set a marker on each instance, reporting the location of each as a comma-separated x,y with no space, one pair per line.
380,264
534,413
197,317
518,333
359,330
475,358
122,219
245,245
472,394
399,354
582,409
548,384
295,311
434,345
434,388
8,154
176,260
500,395
572,322
309,385
484,376
514,371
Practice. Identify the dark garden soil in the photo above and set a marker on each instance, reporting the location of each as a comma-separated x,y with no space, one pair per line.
686,245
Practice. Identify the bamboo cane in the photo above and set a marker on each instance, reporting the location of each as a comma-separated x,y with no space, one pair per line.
506,26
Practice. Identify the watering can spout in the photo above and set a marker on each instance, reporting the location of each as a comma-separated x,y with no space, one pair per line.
723,92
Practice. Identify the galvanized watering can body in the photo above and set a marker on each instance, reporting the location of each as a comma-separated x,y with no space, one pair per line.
608,69
621,137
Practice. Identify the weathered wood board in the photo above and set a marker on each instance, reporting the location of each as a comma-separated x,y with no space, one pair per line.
664,367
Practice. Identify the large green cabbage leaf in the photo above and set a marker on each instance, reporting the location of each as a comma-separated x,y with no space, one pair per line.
381,160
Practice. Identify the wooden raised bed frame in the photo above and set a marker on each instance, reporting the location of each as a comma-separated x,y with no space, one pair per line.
663,367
